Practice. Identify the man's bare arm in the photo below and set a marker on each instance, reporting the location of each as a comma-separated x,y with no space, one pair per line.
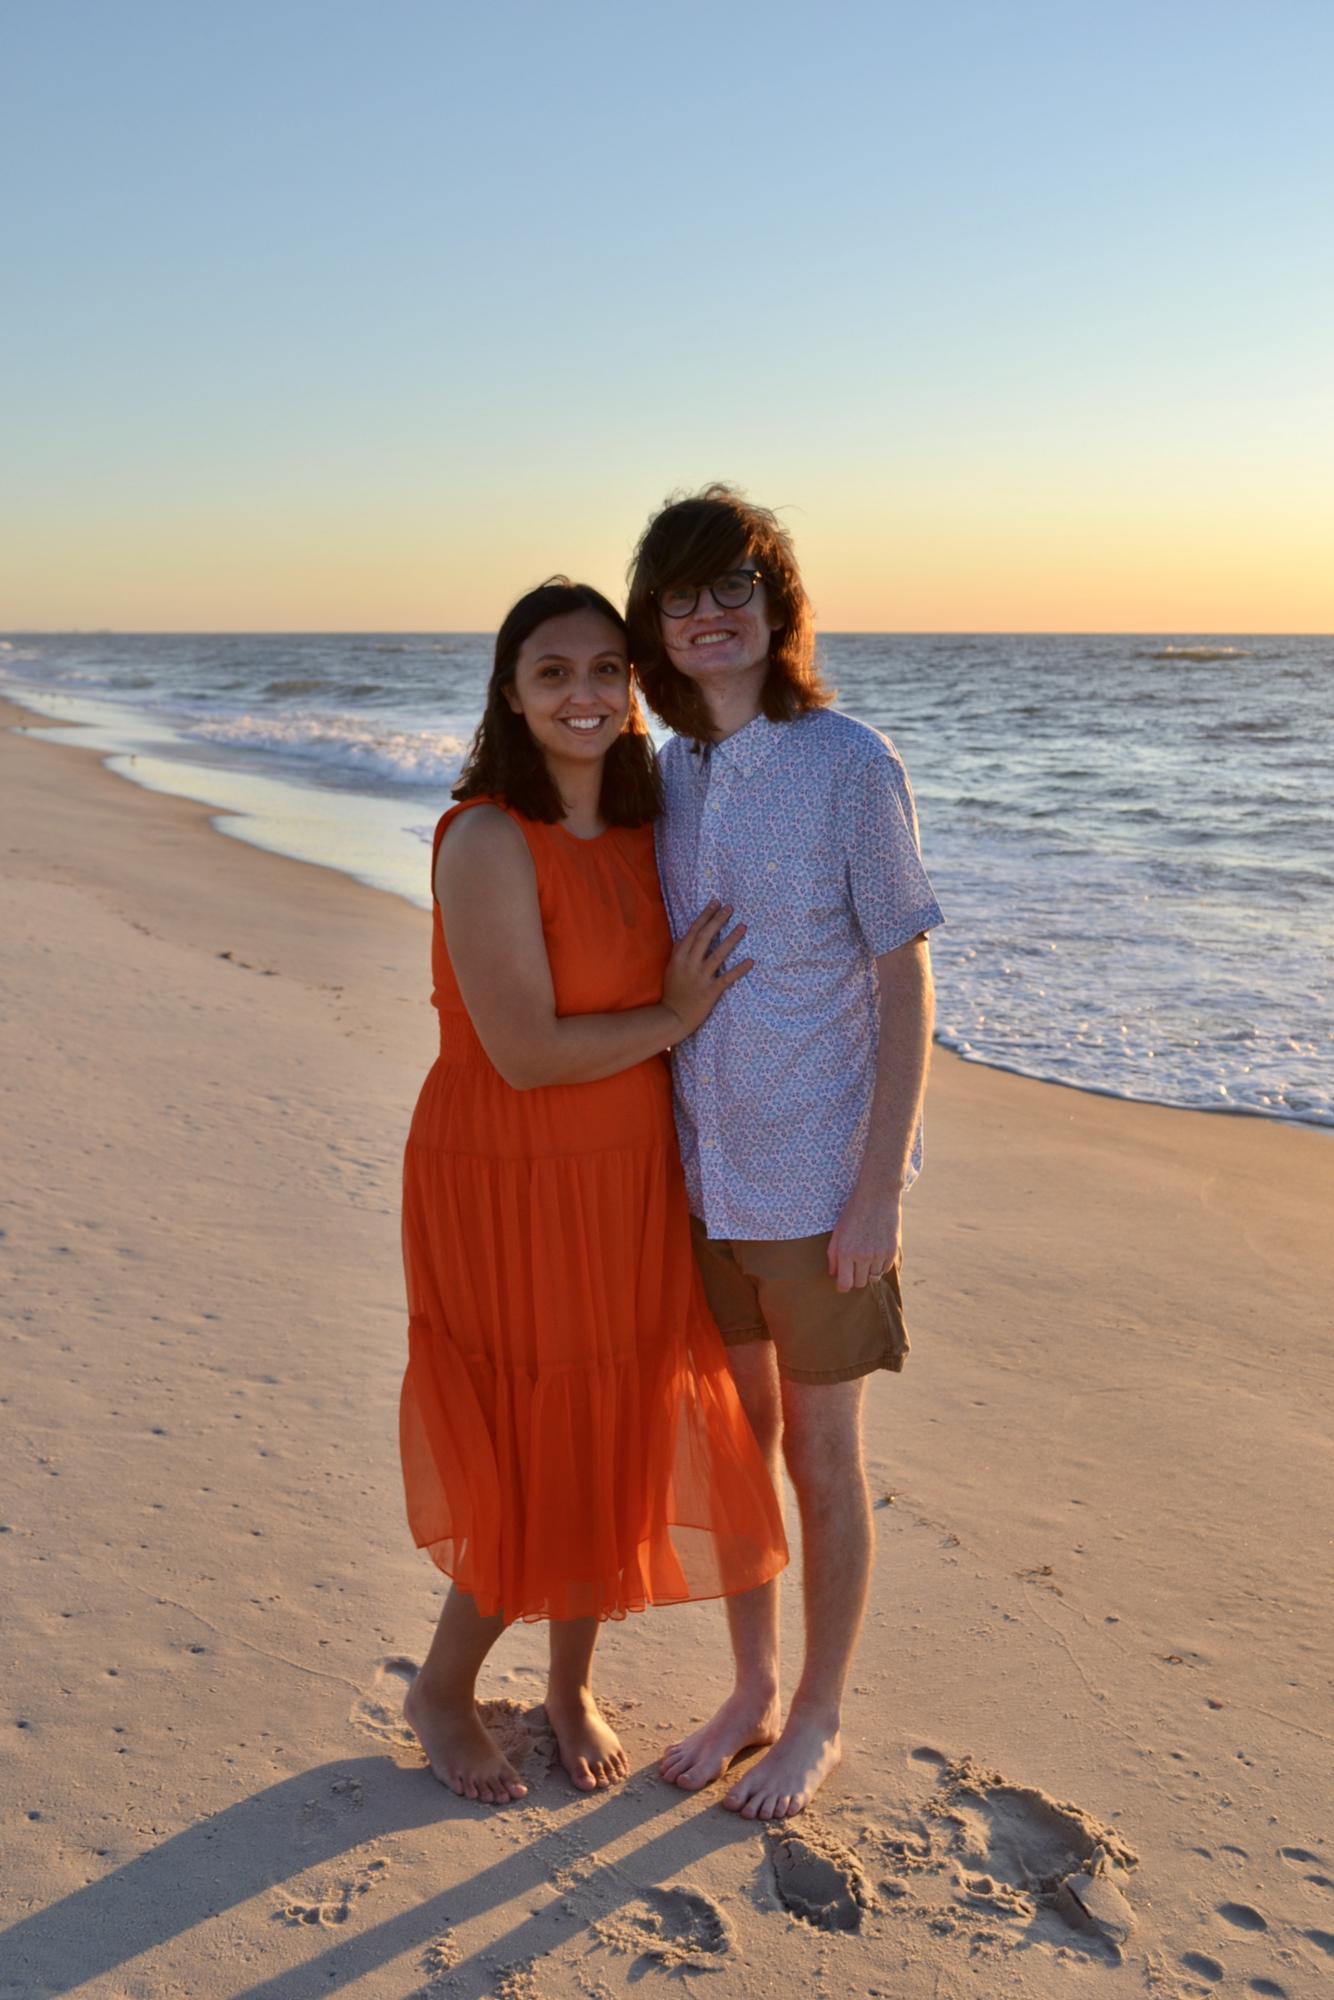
866,1237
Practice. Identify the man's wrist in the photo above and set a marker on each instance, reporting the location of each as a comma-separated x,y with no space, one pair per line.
891,1192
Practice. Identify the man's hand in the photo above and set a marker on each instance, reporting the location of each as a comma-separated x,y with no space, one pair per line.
865,1241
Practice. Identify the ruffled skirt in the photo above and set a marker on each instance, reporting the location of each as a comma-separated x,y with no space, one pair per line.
572,1441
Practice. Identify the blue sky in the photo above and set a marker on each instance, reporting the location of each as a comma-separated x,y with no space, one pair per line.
337,315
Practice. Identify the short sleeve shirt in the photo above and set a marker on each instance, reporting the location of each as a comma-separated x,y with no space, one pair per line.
808,829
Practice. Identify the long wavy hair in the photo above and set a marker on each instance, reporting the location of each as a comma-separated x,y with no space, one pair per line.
694,539
505,763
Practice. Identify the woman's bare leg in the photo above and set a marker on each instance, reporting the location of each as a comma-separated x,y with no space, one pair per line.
590,1749
441,1706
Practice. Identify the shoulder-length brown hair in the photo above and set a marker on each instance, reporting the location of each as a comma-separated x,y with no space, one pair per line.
505,763
693,541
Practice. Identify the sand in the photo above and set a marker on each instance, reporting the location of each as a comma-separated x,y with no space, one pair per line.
1089,1728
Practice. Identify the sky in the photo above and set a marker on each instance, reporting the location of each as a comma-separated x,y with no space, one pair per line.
333,316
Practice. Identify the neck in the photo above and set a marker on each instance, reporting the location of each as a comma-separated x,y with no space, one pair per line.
580,789
733,700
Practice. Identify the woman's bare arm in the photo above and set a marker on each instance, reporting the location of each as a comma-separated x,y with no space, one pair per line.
486,886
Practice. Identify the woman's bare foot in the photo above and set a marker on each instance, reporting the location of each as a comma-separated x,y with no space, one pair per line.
589,1747
744,1722
464,1755
787,1777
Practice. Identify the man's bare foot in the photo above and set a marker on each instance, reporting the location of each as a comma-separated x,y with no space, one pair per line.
589,1747
787,1777
464,1755
744,1722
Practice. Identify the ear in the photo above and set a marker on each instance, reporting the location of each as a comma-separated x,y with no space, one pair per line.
512,698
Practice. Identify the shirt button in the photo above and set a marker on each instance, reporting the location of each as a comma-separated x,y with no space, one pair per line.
770,866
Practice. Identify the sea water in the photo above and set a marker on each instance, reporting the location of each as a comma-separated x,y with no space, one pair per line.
1132,838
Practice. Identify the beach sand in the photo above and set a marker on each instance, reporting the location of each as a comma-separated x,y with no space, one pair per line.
1088,1733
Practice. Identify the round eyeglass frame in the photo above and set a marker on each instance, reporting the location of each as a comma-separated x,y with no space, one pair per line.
733,603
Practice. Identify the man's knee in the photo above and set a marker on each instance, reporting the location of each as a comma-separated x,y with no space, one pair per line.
822,1434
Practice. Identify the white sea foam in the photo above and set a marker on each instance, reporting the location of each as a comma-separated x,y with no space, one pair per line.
357,744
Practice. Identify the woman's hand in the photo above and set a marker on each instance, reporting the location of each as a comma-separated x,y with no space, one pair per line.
697,972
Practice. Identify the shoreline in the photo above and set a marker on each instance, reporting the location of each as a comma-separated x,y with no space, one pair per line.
1097,1492
16,717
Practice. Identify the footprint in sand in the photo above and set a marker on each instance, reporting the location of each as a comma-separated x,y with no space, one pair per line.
1026,1855
1324,1939
379,1711
330,1906
1270,1989
1021,1836
1242,1917
1204,1967
818,1879
676,1927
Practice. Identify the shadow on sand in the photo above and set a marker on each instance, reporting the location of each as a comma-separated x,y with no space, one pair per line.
294,1829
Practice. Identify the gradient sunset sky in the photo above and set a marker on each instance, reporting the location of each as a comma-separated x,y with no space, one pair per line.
330,316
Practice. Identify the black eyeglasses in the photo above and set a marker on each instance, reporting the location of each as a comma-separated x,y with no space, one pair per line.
729,593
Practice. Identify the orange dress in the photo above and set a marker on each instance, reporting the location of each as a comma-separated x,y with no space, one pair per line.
572,1441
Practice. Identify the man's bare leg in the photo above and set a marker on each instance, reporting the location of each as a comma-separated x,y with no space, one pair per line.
822,1441
751,1714
441,1707
589,1747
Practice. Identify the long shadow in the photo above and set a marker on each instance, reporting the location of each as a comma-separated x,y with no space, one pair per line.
291,1829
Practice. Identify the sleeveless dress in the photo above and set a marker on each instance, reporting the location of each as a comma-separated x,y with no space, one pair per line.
572,1441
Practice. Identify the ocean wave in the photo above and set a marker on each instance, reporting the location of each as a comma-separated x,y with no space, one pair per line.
283,690
1204,1093
348,742
1201,653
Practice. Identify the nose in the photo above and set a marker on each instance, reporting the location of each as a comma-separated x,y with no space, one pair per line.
585,690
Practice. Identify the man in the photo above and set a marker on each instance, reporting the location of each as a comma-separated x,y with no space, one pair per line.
799,1100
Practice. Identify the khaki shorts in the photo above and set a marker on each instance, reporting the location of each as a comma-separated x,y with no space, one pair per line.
783,1292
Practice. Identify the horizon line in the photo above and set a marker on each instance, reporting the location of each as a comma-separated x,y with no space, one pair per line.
488,631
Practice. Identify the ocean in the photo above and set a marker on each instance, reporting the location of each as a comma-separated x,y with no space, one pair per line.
1132,838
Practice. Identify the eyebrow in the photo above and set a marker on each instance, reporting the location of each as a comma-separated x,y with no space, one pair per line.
564,659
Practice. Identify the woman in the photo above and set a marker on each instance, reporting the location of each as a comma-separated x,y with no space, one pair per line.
573,1447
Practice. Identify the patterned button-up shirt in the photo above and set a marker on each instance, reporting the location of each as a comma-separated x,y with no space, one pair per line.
808,829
